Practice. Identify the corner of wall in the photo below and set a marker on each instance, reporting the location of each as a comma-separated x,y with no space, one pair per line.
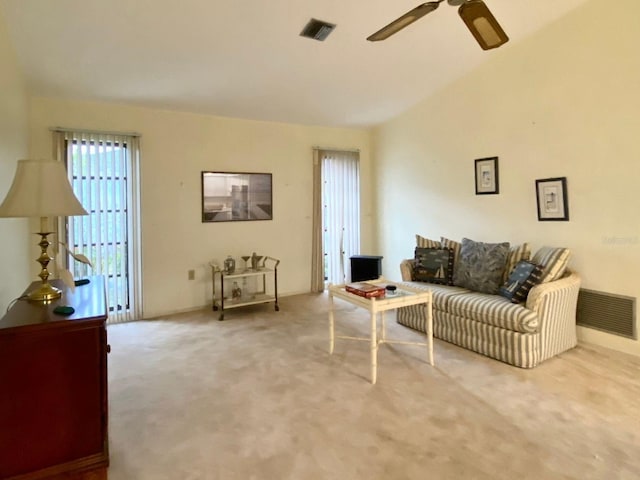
14,249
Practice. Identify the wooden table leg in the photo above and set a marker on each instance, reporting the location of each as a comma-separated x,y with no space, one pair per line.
374,348
429,313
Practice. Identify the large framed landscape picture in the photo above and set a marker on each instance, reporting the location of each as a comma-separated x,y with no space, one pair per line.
236,196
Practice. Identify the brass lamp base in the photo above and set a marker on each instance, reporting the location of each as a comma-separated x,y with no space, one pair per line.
44,294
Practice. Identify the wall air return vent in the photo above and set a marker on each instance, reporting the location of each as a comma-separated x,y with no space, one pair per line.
607,312
317,29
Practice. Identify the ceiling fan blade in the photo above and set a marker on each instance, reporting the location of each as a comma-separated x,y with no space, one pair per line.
482,24
405,20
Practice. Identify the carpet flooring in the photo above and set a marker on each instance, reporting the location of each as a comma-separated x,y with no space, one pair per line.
257,396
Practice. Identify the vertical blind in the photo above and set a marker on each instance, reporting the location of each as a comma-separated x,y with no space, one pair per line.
340,212
102,170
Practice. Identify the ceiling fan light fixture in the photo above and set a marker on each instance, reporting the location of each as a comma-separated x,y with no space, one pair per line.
482,24
403,21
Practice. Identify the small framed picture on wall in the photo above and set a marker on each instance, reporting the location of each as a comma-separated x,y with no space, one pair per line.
487,176
551,195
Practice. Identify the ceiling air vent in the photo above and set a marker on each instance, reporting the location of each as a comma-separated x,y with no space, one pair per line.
317,29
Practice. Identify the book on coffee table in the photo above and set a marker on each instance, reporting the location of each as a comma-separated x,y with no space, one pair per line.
366,290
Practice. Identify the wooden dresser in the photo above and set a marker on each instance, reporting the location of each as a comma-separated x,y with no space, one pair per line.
53,388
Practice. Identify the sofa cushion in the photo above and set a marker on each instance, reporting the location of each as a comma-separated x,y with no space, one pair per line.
516,254
440,293
522,279
493,310
455,246
516,348
426,242
553,261
452,244
433,265
481,265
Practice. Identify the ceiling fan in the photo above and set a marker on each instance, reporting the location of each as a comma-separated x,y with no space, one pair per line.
475,14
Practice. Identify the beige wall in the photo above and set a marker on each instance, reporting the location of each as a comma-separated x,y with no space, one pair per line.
14,236
565,102
176,147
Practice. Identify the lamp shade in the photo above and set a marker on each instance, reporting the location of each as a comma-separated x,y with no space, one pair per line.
40,188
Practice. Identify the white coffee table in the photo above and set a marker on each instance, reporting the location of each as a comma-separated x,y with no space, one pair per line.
403,297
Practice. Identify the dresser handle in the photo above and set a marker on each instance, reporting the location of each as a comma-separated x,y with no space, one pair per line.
108,348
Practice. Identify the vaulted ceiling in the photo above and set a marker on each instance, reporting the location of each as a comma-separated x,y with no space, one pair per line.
246,59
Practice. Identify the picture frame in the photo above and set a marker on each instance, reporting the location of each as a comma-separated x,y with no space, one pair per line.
552,199
236,196
486,174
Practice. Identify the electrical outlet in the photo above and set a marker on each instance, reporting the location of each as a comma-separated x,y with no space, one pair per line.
192,274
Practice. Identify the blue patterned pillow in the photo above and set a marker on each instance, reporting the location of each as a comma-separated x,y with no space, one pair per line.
516,253
524,277
433,265
481,265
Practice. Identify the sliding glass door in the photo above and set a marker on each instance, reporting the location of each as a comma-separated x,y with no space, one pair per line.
102,171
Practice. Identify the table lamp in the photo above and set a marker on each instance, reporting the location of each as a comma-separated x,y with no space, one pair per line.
41,188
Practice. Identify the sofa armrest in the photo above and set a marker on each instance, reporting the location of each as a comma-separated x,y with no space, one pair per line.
567,286
406,270
556,303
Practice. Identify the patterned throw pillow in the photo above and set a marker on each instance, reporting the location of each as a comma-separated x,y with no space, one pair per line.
516,253
553,261
455,246
524,277
481,265
433,265
426,242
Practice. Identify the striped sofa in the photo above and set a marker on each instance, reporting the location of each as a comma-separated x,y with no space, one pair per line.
521,335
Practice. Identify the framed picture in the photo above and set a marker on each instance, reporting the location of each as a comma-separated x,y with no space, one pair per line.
236,196
487,176
551,194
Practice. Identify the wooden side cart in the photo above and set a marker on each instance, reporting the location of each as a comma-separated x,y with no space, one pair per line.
246,286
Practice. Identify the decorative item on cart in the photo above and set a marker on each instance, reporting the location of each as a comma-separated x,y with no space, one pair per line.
236,291
255,261
229,265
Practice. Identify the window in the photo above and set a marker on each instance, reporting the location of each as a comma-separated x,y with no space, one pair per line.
102,170
340,213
